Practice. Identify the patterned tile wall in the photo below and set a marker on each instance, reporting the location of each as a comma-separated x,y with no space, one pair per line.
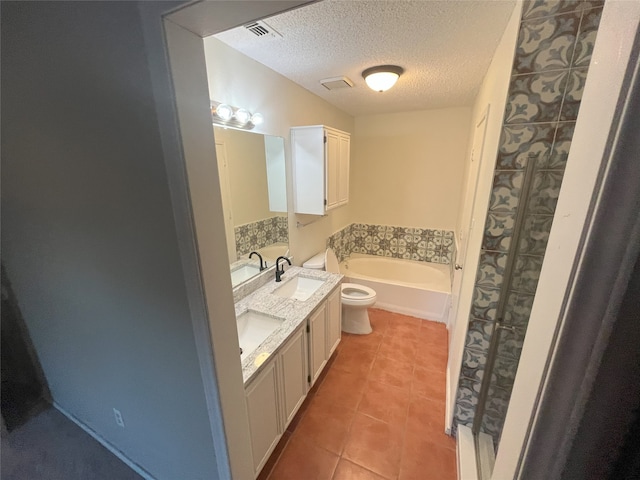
252,236
419,244
341,242
552,57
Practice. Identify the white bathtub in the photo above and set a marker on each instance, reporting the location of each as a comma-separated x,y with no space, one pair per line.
419,289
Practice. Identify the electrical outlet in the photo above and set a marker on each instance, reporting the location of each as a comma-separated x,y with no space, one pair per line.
118,417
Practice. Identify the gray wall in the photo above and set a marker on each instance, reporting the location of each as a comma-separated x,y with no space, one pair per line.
88,237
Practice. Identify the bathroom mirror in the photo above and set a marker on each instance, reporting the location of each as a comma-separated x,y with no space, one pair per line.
254,198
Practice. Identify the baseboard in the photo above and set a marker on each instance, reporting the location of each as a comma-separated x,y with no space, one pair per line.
134,466
434,317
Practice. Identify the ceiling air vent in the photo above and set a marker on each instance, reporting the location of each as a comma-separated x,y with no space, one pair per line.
334,83
261,29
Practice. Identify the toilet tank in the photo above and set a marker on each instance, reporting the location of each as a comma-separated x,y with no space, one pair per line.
316,262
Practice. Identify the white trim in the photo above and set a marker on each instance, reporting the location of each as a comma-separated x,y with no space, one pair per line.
130,463
164,98
432,316
466,454
218,338
448,403
486,455
607,71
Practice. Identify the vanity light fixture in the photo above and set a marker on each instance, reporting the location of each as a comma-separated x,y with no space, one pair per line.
383,77
228,116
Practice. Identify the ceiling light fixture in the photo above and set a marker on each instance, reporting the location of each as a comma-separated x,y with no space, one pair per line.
383,77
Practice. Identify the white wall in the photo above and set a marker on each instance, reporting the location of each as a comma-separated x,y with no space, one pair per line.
493,92
407,168
88,236
240,81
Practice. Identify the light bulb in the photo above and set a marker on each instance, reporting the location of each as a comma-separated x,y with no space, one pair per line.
257,118
243,116
224,112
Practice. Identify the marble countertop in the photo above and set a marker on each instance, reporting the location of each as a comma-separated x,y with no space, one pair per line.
293,312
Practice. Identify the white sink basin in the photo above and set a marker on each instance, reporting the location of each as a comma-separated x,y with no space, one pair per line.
299,288
253,329
245,272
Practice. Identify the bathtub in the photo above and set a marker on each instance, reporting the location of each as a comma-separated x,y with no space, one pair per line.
419,289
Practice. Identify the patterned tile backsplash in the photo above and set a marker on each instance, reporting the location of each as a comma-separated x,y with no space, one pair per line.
256,235
552,56
409,243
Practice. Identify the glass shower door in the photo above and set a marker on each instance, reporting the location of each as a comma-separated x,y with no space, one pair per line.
531,229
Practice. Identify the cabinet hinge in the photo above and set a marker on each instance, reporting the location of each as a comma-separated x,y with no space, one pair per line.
325,139
308,378
325,202
308,329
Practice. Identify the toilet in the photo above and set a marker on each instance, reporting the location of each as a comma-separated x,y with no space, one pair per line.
355,298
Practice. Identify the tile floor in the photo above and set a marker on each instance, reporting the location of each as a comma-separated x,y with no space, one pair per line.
377,412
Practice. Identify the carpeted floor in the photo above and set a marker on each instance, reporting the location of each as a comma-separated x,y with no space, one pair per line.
51,447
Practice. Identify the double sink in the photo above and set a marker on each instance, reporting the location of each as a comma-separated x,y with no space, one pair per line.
255,327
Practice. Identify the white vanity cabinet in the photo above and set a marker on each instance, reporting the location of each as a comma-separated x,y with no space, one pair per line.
334,321
325,330
264,419
274,396
317,342
320,160
276,393
293,359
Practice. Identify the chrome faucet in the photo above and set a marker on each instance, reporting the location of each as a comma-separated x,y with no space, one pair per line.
262,267
280,269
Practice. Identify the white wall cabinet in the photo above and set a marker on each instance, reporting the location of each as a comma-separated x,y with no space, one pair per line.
320,159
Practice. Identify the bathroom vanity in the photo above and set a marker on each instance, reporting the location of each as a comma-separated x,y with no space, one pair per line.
287,332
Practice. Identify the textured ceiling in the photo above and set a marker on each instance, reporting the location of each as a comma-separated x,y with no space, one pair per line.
445,48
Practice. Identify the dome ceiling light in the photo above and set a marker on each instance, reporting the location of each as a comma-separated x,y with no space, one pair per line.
383,77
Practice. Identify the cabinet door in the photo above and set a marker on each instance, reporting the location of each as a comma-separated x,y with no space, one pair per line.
343,169
332,152
317,342
293,366
264,422
308,162
334,321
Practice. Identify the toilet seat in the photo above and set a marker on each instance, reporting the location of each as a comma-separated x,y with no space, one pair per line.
357,295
